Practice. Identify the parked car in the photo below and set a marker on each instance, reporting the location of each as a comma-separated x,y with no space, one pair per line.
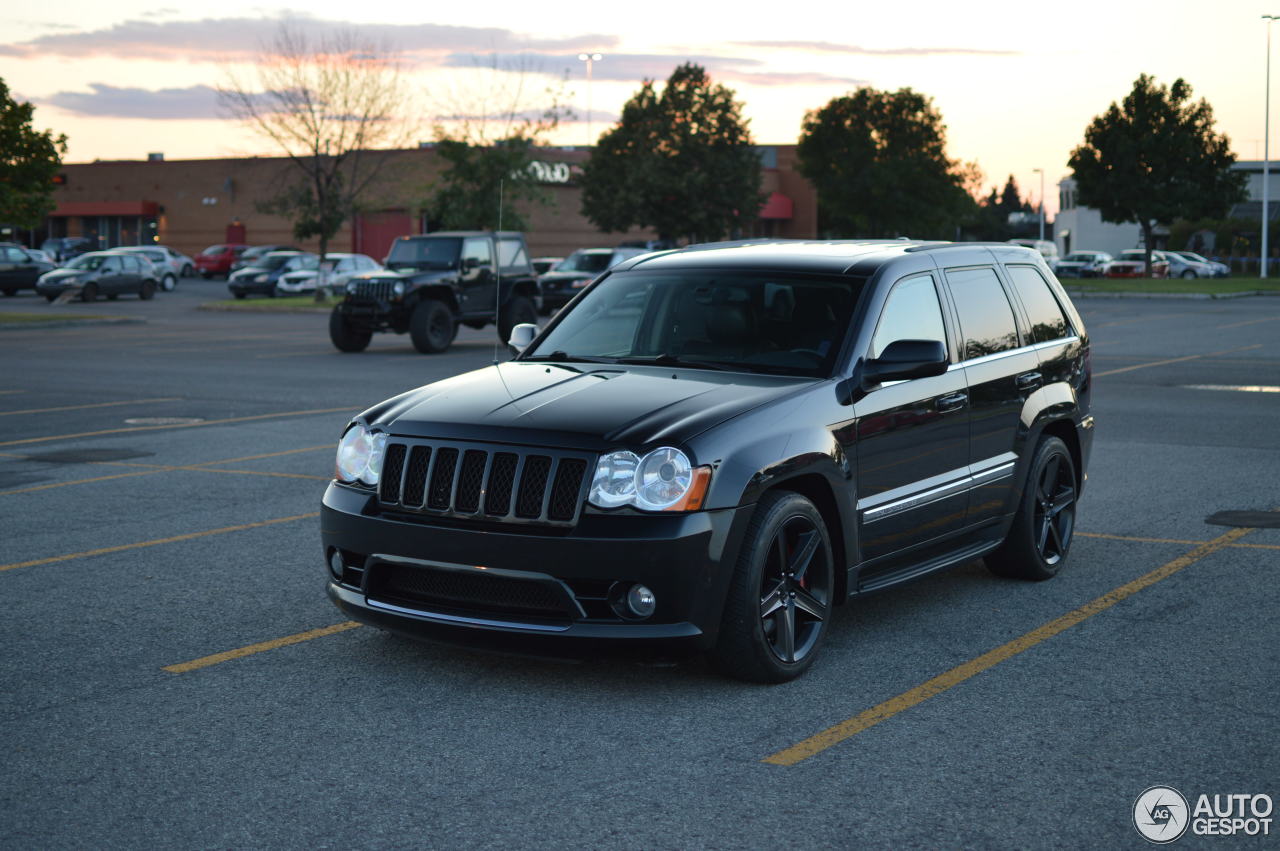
217,259
577,270
254,253
342,268
1083,264
167,268
264,275
108,273
1132,263
177,264
1048,250
1214,268
20,268
40,255
436,282
543,265
65,248
1181,267
713,448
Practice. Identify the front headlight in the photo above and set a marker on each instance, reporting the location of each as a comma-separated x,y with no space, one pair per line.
351,287
261,279
360,455
663,480
398,288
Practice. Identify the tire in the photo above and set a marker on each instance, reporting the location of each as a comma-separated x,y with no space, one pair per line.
169,283
10,293
89,292
431,327
112,296
517,311
50,298
147,290
273,292
344,337
1188,274
781,594
187,271
238,295
206,275
1039,541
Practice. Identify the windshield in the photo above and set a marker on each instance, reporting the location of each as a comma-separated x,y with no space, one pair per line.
431,253
1191,255
87,261
1080,258
304,262
584,261
273,261
214,250
784,324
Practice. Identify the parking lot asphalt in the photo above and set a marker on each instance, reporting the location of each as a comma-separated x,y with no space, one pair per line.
173,674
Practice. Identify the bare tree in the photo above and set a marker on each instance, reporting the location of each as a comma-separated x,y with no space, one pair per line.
326,102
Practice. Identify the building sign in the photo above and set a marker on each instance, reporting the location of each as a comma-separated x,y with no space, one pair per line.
555,173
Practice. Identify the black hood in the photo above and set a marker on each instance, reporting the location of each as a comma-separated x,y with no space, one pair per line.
582,406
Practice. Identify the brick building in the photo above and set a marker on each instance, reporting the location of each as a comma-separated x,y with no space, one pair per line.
191,204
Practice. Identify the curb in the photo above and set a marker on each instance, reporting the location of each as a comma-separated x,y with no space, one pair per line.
227,308
71,323
1195,296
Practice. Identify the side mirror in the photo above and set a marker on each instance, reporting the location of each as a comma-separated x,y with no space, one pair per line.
521,336
905,359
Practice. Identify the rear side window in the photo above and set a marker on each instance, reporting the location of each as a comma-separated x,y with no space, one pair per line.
1043,311
910,313
986,318
511,253
477,250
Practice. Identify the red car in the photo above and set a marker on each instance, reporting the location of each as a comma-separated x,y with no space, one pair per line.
217,259
1133,264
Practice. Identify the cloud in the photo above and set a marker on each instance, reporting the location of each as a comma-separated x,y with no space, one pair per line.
194,102
792,78
220,39
853,49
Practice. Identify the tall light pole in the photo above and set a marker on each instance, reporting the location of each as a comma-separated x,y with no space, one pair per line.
1040,172
591,59
1266,153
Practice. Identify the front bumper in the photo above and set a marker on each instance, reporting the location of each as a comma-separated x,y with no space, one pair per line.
687,561
250,287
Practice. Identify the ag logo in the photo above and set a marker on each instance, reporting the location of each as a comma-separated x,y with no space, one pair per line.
1160,814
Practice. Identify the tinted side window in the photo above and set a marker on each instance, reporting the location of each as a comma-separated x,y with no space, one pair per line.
477,249
986,319
910,313
1043,310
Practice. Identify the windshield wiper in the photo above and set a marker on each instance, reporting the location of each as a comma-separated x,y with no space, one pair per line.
672,360
561,356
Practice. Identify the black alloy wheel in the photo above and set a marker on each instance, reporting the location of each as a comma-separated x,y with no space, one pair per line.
344,337
112,296
146,290
781,595
1040,538
89,292
794,602
431,327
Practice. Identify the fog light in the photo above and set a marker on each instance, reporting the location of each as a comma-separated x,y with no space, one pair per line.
335,563
640,601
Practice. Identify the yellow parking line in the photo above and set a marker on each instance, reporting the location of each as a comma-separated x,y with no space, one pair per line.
11,392
1248,322
178,425
1137,540
257,473
53,485
931,688
1171,360
157,542
83,407
240,653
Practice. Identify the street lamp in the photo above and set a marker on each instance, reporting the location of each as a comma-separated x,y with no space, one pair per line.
1266,151
1040,172
591,59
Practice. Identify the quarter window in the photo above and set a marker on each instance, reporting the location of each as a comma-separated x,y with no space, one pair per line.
986,319
911,313
1043,311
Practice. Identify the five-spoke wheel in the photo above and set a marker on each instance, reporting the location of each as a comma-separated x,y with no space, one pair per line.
1040,537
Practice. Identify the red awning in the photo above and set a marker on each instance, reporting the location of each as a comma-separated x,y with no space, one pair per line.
107,208
778,206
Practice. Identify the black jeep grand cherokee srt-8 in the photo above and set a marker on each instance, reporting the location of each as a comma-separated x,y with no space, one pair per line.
715,447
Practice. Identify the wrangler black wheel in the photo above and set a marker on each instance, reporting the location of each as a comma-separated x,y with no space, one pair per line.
782,592
345,338
1040,538
431,327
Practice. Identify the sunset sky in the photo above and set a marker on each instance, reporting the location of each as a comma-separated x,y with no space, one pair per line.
1016,83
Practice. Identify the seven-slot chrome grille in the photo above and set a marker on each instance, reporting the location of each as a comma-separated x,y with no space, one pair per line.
484,482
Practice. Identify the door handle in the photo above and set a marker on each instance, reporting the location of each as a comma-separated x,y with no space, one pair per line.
1028,380
954,402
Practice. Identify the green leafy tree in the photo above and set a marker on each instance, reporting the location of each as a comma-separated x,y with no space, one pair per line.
1154,157
481,179
680,161
29,160
880,164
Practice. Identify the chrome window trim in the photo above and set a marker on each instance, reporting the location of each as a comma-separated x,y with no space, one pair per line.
1074,338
